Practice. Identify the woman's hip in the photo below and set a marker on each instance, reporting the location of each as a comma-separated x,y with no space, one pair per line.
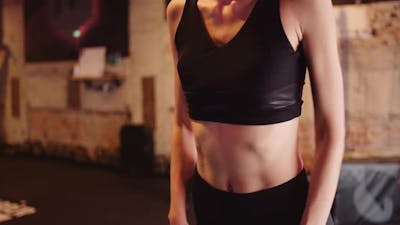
282,204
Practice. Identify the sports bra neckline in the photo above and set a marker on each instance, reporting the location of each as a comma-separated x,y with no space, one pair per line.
237,35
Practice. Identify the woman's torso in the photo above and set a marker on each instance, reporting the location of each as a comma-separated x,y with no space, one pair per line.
245,158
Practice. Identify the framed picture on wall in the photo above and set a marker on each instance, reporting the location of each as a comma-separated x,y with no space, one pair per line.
56,29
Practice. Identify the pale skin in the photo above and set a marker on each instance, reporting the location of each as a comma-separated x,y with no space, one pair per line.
246,158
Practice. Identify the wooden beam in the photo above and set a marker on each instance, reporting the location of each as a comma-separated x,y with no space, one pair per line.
149,117
15,97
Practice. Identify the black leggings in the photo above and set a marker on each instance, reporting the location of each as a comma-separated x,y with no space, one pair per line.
280,205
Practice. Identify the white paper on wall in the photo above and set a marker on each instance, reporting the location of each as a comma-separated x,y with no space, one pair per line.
91,62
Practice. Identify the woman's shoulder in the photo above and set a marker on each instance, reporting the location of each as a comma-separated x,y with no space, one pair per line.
309,5
174,10
174,14
308,11
304,13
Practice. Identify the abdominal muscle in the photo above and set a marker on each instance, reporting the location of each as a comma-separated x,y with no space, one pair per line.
247,158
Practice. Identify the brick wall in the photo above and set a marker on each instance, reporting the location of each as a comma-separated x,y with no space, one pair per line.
44,101
369,46
369,51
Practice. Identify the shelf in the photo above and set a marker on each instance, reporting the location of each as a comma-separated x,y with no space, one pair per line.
105,83
105,77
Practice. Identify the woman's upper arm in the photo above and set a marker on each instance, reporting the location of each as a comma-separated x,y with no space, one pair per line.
174,13
318,26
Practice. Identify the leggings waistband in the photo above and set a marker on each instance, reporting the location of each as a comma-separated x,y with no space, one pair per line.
299,180
280,204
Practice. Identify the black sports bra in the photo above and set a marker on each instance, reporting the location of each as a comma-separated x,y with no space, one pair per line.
256,78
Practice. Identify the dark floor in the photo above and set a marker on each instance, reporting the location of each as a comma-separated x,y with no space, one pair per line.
65,193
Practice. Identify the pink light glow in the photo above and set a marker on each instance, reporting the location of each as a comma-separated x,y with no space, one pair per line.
93,19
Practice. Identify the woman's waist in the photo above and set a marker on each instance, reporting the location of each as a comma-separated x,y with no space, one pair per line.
289,184
245,171
235,136
244,146
247,157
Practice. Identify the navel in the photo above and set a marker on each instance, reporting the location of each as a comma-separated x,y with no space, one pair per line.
250,146
230,187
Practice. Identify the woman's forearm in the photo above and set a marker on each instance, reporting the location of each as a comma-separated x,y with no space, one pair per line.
182,166
323,180
179,176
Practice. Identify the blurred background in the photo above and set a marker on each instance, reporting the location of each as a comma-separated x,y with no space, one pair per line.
80,148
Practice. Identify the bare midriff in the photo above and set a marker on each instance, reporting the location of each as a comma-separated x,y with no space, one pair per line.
247,158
